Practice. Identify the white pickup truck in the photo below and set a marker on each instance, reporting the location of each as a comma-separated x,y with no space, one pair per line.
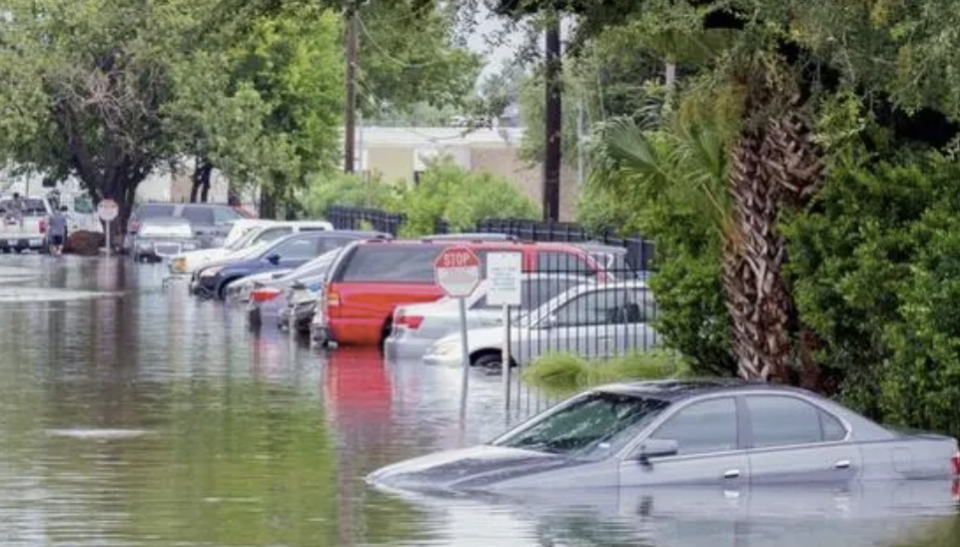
27,233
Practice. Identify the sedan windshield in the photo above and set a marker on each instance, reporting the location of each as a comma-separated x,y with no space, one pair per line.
594,425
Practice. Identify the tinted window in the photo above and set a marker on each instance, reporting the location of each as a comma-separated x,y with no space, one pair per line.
608,307
710,426
832,429
297,249
391,263
153,210
558,261
594,424
28,206
781,421
199,215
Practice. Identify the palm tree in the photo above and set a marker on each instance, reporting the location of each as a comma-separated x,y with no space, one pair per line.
743,171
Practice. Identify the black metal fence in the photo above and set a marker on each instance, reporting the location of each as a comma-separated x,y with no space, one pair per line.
595,317
639,253
360,218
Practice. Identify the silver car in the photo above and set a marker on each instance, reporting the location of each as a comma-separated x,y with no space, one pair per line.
721,433
162,238
417,326
594,320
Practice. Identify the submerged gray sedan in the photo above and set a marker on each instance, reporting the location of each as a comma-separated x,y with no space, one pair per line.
684,432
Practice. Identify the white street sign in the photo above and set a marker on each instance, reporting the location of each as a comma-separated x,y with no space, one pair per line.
108,210
504,272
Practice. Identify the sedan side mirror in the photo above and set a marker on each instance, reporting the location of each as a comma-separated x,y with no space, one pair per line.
274,259
656,448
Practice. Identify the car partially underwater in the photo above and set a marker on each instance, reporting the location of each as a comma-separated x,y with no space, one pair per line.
684,432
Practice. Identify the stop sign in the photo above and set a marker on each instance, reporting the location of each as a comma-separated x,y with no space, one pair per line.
457,271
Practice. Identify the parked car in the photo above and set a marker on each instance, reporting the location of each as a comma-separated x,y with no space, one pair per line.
245,245
238,292
290,252
721,433
417,326
163,238
300,304
371,278
240,228
596,321
31,233
268,297
210,221
614,259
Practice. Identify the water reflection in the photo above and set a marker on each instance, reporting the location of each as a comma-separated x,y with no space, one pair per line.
152,419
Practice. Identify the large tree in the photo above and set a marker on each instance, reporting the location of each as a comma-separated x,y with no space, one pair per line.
84,94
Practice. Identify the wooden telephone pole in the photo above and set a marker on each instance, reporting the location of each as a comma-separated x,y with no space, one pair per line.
350,115
552,121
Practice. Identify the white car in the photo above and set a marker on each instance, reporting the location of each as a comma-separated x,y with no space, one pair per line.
242,227
596,321
239,291
416,327
243,246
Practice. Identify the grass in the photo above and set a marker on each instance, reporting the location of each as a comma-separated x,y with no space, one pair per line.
562,374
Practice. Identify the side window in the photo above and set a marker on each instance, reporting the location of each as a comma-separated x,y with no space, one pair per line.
313,229
832,429
592,308
297,249
272,234
380,263
708,426
783,421
562,262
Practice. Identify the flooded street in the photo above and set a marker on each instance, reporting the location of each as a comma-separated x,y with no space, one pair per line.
134,415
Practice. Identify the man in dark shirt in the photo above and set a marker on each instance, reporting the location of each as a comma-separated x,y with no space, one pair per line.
58,232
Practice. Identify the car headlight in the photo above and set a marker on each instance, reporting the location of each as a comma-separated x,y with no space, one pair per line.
210,272
444,348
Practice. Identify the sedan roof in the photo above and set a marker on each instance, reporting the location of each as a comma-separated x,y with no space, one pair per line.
675,390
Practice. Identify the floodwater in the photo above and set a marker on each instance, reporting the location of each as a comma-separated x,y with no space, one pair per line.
133,415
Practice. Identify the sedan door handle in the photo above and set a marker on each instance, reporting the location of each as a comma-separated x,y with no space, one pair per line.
842,464
732,474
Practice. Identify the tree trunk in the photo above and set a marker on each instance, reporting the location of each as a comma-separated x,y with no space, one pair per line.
268,205
774,166
200,187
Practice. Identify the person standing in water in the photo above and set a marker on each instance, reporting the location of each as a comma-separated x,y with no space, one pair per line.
58,232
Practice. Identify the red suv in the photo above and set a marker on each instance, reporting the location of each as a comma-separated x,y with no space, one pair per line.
371,278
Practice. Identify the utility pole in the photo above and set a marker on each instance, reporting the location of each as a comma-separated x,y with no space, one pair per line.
350,116
552,121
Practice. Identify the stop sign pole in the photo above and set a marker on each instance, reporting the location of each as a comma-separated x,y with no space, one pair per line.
457,272
108,210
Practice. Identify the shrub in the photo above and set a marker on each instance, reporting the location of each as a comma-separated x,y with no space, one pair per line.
561,374
874,265
347,189
462,197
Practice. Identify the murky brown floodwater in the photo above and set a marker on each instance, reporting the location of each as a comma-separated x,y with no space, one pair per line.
148,418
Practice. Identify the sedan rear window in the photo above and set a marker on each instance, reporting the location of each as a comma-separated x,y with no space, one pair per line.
593,425
378,263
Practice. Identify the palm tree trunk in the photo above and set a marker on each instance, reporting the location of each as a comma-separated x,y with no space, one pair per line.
775,165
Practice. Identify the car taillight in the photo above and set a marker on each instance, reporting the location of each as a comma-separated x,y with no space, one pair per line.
333,299
956,463
43,225
265,294
412,322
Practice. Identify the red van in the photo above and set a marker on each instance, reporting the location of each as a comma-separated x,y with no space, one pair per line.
371,278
